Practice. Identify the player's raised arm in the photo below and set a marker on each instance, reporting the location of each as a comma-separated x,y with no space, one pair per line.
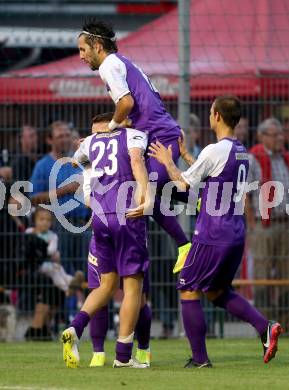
186,156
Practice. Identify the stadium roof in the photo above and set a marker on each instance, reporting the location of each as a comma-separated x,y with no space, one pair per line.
236,47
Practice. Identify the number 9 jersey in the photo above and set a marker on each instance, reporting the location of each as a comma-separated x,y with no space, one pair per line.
221,171
111,174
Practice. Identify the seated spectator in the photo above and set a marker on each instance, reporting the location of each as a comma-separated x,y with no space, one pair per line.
51,266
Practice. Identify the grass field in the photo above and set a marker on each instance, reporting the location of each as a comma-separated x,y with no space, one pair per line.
237,365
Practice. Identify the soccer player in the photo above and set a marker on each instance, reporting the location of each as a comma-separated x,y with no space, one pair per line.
135,97
219,235
99,322
121,249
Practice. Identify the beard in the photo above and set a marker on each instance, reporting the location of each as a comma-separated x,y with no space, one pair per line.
94,67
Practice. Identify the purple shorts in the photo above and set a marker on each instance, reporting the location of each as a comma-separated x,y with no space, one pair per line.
93,273
120,248
210,267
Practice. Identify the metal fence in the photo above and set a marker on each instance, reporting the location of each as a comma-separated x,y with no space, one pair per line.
23,289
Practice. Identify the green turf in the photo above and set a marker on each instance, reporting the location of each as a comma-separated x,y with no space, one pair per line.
237,365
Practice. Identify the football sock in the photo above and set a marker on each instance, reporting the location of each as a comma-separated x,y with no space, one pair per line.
123,351
238,306
143,327
80,322
195,328
170,224
98,329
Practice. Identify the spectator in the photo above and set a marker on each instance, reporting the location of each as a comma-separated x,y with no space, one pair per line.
5,169
75,141
194,135
241,131
73,248
24,162
268,238
286,132
51,266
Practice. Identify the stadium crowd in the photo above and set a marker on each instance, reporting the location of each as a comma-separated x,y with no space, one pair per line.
24,286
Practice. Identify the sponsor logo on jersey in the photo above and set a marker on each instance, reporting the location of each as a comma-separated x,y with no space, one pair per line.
241,156
92,259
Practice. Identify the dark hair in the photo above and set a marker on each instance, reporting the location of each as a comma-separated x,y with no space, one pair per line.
105,32
39,210
229,107
106,117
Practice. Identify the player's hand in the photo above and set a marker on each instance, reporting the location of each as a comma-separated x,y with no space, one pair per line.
160,152
143,209
136,212
182,144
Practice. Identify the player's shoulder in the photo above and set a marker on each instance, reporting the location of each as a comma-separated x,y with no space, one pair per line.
134,133
111,61
224,146
89,138
218,153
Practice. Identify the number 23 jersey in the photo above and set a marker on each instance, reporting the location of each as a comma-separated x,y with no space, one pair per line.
111,172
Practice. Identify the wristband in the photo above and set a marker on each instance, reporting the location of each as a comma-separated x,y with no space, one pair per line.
113,125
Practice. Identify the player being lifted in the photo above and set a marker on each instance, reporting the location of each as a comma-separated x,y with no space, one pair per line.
116,158
219,236
135,97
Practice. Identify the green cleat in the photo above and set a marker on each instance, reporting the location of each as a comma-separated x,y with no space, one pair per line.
98,359
183,253
70,350
143,356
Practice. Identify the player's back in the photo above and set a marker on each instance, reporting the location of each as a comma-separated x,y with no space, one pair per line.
110,168
221,219
148,113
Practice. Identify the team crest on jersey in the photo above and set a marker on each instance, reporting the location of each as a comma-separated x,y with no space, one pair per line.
92,259
182,282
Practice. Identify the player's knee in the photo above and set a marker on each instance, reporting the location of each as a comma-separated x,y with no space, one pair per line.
109,283
190,295
213,296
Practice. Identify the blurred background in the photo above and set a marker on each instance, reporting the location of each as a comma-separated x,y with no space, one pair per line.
192,51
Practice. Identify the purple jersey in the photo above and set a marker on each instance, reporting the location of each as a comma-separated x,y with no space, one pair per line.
111,170
121,77
223,167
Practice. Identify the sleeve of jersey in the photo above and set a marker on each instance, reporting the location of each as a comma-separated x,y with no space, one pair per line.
136,139
82,153
86,185
114,76
201,169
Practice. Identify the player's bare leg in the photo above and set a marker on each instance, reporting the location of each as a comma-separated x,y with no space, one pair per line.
129,312
96,300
